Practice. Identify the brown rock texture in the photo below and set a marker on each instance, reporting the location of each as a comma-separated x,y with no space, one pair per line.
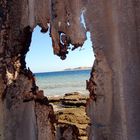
114,84
71,116
67,132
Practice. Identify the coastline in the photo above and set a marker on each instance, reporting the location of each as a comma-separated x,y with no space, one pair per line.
64,70
77,68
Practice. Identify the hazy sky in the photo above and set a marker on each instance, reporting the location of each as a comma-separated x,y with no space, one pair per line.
40,58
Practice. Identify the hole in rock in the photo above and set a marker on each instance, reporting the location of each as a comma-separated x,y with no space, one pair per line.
63,82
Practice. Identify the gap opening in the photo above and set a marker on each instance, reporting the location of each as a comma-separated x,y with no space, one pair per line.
63,82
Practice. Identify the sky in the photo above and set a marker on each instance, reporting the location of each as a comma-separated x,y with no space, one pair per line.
40,57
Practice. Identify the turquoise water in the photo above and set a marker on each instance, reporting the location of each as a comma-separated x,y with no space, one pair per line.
59,83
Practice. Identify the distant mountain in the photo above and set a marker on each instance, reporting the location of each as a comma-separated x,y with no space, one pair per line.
78,68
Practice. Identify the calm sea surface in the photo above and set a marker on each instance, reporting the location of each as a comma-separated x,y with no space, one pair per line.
59,83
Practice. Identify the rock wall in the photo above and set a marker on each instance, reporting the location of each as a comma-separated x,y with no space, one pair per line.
114,85
21,116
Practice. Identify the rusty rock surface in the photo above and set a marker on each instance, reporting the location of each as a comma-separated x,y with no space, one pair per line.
114,84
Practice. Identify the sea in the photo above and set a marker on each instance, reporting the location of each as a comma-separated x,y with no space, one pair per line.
61,82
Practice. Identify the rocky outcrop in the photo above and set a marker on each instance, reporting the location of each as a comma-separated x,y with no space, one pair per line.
67,132
74,116
114,85
74,99
71,116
